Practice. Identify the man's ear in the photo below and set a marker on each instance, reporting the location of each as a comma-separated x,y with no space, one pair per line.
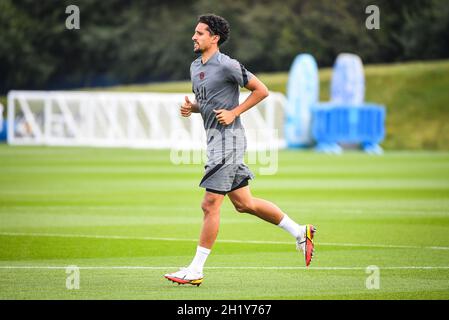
217,37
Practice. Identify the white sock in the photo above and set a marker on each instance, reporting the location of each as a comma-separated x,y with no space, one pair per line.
199,260
291,227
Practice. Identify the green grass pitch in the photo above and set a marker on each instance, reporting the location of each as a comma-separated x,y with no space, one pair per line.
125,217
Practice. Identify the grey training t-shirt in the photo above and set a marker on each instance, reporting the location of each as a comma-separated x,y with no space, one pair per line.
216,86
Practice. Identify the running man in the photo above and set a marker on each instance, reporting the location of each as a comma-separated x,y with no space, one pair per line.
216,79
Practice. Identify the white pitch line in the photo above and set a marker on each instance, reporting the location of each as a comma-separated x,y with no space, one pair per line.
113,237
224,267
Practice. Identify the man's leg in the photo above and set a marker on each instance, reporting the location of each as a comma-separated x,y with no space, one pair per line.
211,221
244,202
193,274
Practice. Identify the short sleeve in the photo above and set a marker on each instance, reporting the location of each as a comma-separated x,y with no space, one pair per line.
191,78
237,72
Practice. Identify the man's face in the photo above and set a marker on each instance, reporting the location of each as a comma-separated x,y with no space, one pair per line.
202,38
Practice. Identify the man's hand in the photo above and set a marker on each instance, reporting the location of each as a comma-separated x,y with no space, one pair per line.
225,117
186,108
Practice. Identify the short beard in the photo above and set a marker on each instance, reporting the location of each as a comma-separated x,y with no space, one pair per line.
198,51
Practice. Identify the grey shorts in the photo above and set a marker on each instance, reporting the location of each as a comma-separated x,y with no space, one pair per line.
225,177
225,169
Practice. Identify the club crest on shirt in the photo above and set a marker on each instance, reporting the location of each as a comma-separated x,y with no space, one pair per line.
202,75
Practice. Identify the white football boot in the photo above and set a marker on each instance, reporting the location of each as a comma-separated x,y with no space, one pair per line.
185,276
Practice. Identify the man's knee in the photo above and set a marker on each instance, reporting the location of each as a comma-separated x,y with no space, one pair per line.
210,205
244,206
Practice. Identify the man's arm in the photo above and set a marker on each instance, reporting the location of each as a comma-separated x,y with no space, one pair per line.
189,107
195,107
258,92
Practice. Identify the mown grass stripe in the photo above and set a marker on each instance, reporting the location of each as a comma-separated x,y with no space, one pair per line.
224,267
115,237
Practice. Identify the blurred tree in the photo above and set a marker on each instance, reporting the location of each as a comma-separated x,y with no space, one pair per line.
124,41
423,33
26,57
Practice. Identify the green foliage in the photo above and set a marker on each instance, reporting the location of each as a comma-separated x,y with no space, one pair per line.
140,41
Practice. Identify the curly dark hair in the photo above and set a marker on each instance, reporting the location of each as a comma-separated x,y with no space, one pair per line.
217,26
